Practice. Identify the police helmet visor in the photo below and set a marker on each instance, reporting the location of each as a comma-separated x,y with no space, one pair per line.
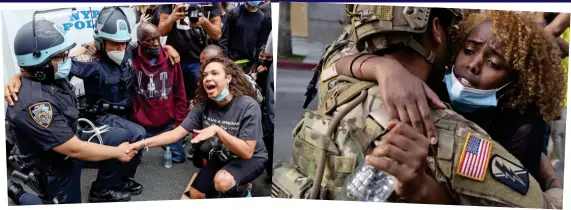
40,40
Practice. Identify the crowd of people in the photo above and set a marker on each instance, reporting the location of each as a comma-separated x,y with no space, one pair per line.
199,73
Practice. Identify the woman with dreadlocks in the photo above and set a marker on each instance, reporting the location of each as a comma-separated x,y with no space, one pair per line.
227,122
506,77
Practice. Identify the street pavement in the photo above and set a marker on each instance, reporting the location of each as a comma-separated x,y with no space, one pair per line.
290,90
159,183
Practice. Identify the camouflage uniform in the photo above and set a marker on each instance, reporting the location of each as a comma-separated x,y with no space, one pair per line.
331,142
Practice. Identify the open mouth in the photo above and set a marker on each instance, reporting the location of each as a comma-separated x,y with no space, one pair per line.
210,88
465,82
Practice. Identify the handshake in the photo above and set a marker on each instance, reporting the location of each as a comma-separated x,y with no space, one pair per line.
126,151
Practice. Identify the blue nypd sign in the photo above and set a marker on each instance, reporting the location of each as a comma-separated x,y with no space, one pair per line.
81,20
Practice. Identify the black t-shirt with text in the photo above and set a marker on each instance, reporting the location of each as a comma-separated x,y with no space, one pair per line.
188,41
241,118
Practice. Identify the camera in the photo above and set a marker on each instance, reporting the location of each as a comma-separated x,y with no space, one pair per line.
194,9
219,151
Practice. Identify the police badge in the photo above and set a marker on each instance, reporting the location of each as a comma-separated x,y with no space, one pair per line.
42,113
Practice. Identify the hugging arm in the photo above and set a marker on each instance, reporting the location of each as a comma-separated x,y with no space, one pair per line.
404,94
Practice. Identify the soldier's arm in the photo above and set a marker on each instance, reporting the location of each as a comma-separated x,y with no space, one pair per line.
409,104
433,192
548,202
475,201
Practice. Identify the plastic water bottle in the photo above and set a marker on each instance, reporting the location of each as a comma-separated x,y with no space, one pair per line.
367,184
168,158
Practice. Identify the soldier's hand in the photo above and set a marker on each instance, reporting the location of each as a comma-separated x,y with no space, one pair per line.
405,97
11,90
402,153
125,152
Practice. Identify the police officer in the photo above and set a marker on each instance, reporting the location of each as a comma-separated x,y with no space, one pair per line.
110,73
45,123
108,76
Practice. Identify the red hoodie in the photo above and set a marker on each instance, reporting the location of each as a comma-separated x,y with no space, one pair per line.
160,96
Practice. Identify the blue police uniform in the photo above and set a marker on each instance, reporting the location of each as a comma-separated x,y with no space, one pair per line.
45,117
112,84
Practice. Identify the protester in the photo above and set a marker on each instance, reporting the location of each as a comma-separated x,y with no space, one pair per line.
159,102
226,120
245,33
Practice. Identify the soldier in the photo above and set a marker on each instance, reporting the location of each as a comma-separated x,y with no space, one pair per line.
354,120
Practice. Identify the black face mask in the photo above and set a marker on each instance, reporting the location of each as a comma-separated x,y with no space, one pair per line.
151,52
267,63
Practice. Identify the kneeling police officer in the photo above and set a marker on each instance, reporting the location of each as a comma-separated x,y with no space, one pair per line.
45,123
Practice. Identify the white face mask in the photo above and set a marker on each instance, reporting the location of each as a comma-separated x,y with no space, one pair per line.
468,99
116,56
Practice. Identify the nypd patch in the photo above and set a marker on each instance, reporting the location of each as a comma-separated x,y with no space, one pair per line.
42,113
510,174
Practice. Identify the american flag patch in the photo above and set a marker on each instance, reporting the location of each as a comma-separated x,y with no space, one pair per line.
474,158
329,73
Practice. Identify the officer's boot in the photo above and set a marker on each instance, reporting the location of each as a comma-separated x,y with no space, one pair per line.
108,195
128,182
131,186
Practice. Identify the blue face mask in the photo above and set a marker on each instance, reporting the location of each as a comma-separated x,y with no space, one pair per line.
63,69
467,99
254,3
222,95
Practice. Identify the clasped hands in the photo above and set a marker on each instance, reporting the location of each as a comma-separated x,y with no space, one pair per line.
402,152
125,152
130,150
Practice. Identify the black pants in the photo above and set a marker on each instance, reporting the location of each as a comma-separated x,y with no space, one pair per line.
243,171
269,142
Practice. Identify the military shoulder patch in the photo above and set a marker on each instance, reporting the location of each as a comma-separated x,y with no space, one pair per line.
42,113
329,73
510,174
474,158
86,58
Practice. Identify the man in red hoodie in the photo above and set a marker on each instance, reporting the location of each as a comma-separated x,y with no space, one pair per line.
159,103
